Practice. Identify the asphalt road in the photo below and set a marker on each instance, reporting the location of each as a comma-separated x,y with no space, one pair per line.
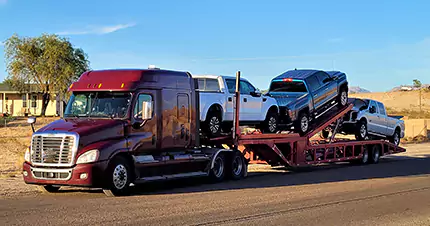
394,192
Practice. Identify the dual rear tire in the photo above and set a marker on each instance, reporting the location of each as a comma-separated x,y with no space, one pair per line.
228,165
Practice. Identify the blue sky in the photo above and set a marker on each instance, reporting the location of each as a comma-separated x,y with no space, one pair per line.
379,44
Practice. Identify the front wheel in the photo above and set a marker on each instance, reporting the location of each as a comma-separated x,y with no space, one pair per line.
270,125
361,133
119,177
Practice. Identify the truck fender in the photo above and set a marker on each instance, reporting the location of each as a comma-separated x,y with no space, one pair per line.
206,109
216,154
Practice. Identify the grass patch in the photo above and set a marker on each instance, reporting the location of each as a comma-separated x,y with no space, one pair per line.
415,140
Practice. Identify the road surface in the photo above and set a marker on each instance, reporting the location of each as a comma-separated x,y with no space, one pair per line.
394,192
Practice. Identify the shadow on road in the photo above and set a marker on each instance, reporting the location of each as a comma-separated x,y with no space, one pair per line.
398,166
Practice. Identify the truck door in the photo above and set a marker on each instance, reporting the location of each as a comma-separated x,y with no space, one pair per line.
143,140
373,117
252,104
328,87
314,89
182,134
383,120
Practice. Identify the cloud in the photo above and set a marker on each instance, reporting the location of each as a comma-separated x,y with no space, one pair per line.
99,30
335,40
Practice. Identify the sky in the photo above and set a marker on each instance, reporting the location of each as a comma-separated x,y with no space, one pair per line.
378,44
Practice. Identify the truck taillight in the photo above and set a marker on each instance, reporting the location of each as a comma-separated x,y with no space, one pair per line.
287,79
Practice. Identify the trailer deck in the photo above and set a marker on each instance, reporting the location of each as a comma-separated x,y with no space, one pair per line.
291,149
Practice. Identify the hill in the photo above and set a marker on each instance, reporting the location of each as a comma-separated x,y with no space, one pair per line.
357,89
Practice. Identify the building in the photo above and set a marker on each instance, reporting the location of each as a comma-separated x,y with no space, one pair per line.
15,103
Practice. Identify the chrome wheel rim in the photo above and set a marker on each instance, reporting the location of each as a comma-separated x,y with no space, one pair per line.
363,131
272,124
120,177
344,98
214,124
237,166
218,167
304,123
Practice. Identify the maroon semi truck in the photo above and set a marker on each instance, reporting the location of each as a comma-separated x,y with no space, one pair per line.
123,127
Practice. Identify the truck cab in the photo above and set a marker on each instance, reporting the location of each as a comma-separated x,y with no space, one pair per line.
122,127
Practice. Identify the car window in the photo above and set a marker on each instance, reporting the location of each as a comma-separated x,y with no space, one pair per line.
288,86
206,84
321,77
231,85
381,109
313,83
245,88
250,86
373,104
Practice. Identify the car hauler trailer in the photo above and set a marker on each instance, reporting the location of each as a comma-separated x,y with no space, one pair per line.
154,135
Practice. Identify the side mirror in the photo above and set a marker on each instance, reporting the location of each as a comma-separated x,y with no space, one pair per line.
256,93
31,121
146,114
372,110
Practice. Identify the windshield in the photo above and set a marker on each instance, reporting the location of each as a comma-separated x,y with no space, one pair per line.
360,104
98,104
293,87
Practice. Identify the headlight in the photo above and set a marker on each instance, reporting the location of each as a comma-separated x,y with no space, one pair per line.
27,155
292,114
88,157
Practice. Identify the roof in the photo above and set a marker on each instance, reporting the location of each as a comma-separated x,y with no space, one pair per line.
217,76
5,88
298,74
334,73
130,79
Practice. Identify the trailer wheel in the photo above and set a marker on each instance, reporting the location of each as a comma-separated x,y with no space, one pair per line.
119,177
365,157
237,166
217,173
50,188
376,154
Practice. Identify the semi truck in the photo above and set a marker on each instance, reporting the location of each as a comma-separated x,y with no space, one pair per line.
126,127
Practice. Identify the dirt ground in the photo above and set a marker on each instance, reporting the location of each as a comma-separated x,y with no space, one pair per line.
14,139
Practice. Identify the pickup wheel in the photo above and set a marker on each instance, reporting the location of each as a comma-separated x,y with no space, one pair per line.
212,125
302,124
361,133
50,188
119,177
237,167
217,173
270,125
395,139
343,97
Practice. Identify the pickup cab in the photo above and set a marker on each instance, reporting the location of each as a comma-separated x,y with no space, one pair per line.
305,95
368,118
216,105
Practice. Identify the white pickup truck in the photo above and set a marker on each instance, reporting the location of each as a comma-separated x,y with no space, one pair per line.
216,105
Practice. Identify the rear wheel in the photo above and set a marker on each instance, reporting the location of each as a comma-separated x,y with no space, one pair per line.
395,139
217,173
213,123
51,188
119,177
237,166
270,125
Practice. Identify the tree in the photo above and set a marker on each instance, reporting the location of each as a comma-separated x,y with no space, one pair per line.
49,62
417,83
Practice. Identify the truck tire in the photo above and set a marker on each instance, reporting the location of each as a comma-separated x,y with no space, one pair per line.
118,177
50,188
302,124
237,167
361,133
342,98
395,139
212,125
376,154
365,158
270,125
217,173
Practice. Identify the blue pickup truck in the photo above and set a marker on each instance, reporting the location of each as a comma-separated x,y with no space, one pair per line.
305,95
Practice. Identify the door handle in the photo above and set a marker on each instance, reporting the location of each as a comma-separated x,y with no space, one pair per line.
245,100
230,99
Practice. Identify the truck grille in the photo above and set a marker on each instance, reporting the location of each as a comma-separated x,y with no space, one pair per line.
53,149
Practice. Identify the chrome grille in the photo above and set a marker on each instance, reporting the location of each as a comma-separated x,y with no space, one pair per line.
53,149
